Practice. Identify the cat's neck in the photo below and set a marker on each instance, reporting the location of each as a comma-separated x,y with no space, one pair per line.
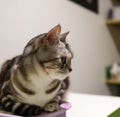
36,74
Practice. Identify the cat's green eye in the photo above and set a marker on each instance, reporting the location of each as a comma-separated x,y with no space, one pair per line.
63,60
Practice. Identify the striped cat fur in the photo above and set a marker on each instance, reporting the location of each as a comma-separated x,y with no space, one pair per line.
37,80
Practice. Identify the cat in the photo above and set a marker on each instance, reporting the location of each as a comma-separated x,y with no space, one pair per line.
37,80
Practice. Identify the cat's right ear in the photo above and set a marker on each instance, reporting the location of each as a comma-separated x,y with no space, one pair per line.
52,36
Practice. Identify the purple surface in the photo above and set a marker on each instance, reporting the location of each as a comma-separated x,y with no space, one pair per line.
8,115
65,105
60,113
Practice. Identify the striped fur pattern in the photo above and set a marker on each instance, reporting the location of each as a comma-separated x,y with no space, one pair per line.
37,80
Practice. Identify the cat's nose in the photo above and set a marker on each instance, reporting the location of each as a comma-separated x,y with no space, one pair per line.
70,69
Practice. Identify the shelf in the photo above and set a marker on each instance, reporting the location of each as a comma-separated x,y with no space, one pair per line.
113,81
114,28
113,22
115,2
114,86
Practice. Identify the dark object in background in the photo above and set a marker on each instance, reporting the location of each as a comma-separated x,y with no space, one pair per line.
89,4
115,2
110,14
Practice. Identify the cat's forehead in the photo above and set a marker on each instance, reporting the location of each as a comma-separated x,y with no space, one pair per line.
62,50
61,45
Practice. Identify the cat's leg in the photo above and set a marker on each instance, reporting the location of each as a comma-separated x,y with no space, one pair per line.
18,108
55,103
52,105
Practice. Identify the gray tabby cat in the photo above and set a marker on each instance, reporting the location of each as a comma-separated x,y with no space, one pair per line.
36,81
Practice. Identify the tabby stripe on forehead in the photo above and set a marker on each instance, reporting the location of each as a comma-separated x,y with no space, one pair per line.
53,86
23,88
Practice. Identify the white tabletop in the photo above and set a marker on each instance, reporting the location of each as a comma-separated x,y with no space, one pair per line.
85,105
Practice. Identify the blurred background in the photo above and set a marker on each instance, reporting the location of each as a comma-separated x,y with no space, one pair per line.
90,38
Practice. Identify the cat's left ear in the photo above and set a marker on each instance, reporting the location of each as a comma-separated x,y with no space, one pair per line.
63,36
52,36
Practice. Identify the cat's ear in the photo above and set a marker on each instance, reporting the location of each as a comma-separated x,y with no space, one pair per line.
63,36
52,36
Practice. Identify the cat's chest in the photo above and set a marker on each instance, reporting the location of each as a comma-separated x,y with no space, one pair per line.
43,87
45,90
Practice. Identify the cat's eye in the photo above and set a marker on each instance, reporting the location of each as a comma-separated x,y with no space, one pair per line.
63,60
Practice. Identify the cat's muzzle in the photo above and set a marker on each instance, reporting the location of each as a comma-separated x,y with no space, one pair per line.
66,68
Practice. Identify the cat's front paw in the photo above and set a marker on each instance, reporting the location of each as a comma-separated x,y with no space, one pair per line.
51,107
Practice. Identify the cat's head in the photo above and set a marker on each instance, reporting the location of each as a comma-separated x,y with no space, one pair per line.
52,51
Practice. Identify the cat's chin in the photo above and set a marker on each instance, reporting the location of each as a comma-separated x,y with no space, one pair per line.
59,76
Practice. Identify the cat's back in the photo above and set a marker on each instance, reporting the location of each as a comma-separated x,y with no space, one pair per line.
5,71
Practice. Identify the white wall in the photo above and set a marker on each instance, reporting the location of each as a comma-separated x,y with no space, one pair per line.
93,49
104,6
